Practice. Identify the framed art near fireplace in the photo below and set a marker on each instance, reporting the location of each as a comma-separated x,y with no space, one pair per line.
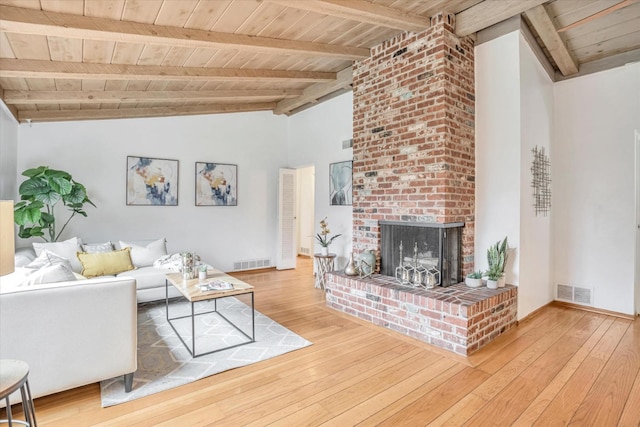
340,183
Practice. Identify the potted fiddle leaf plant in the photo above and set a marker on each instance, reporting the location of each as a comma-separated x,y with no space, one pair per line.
43,190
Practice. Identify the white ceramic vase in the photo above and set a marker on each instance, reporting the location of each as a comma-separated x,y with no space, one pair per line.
502,282
473,283
492,284
324,250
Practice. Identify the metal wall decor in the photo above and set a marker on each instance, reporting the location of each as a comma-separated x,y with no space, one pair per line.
541,181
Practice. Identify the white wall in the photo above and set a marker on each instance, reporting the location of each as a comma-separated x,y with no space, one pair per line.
514,113
95,152
8,154
498,149
536,129
593,174
315,138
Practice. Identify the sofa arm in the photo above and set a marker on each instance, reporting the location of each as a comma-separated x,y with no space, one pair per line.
71,333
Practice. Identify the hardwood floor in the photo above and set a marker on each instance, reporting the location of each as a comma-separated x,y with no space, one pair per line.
560,367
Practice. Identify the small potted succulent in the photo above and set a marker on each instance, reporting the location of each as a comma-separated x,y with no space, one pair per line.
202,271
497,257
474,279
493,275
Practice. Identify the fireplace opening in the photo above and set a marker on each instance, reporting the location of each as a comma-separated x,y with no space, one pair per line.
427,253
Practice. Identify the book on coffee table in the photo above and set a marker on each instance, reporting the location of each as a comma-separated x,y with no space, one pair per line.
215,285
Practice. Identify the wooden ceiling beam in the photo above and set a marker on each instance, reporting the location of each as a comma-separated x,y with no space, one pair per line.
125,113
543,24
25,97
12,109
311,94
490,12
53,24
361,11
31,68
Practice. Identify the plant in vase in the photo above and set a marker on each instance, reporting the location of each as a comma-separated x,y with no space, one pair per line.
492,278
474,279
202,271
497,259
323,237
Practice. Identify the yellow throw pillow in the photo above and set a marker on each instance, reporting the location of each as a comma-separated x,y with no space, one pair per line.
105,263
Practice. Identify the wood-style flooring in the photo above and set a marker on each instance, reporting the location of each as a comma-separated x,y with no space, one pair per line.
559,367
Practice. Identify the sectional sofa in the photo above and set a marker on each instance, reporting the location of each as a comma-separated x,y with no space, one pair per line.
81,330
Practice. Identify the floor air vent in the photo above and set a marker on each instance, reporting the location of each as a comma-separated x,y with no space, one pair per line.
574,294
251,264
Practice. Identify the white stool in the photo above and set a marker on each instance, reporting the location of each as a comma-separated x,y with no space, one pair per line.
13,376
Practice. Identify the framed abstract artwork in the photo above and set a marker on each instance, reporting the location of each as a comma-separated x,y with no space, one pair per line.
340,183
216,184
152,182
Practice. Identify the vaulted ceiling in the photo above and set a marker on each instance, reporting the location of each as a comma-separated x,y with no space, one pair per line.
100,59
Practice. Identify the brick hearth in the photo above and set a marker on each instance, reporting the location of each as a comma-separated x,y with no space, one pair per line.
456,318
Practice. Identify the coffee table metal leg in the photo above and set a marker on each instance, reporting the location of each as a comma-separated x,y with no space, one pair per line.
253,319
193,332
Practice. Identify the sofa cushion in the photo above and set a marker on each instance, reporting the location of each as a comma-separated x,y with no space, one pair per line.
145,255
147,277
50,274
97,247
105,263
47,259
67,249
24,256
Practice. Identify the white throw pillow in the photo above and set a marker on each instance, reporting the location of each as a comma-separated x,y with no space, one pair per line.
93,248
144,256
24,256
51,274
68,249
47,259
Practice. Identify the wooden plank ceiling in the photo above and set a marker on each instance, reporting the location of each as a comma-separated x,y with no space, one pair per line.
99,59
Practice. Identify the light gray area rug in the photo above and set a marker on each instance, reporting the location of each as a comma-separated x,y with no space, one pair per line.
164,363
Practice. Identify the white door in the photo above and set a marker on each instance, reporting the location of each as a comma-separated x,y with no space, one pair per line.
305,193
286,240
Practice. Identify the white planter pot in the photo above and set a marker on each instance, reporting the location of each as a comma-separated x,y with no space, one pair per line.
324,251
473,283
492,284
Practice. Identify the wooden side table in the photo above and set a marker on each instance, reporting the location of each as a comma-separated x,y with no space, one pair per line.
324,264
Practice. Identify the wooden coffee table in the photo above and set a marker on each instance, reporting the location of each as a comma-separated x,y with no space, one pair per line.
189,290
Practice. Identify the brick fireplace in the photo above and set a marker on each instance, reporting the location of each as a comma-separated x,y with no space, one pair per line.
414,162
413,134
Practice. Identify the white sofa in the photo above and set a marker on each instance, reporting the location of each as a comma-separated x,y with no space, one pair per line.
77,332
71,333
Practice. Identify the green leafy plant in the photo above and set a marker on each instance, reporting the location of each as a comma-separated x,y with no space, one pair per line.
39,194
497,255
323,237
494,273
475,275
